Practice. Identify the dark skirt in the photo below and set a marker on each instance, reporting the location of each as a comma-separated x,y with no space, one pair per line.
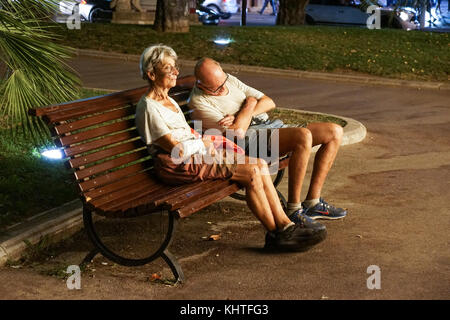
198,168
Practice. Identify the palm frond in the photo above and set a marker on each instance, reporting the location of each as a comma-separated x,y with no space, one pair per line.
33,68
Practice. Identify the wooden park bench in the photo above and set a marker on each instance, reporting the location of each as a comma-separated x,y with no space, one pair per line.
114,171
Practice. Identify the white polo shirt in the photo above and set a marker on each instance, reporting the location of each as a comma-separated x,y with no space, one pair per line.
211,109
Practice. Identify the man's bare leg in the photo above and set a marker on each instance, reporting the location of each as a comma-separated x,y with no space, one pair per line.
329,135
298,141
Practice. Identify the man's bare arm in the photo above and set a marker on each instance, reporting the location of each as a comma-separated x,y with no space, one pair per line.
244,117
265,104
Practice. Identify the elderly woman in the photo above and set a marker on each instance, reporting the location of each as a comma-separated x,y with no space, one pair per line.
164,129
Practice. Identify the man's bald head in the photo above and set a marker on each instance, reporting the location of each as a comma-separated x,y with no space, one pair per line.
209,73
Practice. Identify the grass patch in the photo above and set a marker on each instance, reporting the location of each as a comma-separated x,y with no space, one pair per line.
389,53
295,117
29,183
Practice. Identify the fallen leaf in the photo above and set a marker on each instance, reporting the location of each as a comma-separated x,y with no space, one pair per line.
155,276
214,237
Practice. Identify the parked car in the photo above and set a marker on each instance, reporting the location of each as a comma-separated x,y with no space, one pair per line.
348,12
90,10
225,7
208,16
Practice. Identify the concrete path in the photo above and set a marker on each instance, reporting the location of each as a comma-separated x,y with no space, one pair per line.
395,185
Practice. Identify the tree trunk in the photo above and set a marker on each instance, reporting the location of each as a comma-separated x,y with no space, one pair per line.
172,16
292,12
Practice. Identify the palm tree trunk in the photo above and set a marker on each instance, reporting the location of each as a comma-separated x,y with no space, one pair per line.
292,12
172,16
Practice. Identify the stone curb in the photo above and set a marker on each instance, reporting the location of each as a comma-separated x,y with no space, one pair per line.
65,220
359,79
55,223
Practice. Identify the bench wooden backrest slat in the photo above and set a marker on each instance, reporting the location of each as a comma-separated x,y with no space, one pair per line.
93,120
111,164
130,96
96,132
106,141
106,153
114,176
94,105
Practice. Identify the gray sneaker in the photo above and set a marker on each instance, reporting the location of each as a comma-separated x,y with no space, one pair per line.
324,210
297,237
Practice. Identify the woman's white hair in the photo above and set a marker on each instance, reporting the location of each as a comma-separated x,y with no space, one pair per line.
152,56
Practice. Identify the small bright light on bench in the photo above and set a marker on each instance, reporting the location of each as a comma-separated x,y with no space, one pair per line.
52,154
223,41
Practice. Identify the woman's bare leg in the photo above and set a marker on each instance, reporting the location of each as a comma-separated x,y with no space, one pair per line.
261,195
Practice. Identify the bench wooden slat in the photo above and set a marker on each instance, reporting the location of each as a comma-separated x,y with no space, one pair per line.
206,201
89,106
64,112
124,97
93,120
182,191
106,141
106,153
120,184
141,187
123,202
111,164
185,199
97,132
114,176
152,200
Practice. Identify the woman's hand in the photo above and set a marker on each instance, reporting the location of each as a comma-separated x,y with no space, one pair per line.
210,149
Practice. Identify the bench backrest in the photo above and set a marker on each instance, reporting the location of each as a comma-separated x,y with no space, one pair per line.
99,138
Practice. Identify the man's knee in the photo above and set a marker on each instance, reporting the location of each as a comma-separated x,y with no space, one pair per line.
302,137
337,132
254,177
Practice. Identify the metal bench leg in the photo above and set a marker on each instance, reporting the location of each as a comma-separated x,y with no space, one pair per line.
90,256
100,247
174,266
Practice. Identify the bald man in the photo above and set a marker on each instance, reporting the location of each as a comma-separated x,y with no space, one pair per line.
223,102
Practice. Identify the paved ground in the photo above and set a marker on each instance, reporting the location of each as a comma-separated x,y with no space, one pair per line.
395,185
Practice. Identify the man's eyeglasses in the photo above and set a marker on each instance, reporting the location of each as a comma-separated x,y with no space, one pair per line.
218,88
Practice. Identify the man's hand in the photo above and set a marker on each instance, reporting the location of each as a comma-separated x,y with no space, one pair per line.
227,121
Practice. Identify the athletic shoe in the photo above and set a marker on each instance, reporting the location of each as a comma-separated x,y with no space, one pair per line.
295,238
299,217
323,210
